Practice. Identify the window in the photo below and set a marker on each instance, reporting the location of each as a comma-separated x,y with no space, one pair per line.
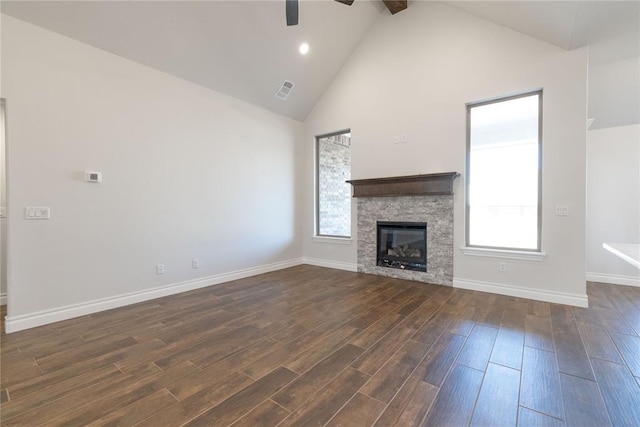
333,193
503,173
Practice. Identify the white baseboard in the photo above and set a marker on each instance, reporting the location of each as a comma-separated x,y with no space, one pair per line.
535,294
614,279
3,299
331,264
31,320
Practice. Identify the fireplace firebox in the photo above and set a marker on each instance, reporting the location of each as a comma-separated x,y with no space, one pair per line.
402,245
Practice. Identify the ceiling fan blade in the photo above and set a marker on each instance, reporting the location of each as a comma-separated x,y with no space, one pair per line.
292,12
395,6
347,2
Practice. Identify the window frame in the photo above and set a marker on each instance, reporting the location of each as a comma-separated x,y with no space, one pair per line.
498,250
317,189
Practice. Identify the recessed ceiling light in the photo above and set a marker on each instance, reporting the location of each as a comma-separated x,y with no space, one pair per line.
304,48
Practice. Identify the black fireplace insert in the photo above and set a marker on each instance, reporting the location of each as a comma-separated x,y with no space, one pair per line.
402,245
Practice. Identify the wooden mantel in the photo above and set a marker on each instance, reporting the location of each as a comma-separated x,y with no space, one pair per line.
414,185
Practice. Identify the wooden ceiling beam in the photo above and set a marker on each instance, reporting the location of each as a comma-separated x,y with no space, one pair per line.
395,6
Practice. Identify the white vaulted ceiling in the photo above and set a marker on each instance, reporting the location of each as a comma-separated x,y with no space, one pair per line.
610,28
240,48
245,50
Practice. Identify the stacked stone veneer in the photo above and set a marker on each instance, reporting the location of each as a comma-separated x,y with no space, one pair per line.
436,211
335,193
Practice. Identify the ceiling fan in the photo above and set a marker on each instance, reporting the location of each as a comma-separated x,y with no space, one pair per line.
394,7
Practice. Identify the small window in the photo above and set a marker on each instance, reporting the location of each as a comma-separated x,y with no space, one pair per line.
333,193
503,179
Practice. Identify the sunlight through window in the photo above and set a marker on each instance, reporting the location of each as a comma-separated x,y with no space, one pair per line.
503,173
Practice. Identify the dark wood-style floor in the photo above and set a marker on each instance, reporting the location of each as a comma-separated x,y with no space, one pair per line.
3,314
315,346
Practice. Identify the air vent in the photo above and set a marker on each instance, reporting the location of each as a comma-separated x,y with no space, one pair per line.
285,90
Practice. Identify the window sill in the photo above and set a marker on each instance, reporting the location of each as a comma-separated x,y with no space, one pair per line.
338,240
504,253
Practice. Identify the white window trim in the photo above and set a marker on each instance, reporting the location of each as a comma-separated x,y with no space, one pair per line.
503,253
337,239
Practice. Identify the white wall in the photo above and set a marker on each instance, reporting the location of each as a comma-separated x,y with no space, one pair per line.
188,173
412,75
614,105
3,203
613,201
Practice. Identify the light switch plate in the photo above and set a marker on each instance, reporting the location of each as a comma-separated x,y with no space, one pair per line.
41,212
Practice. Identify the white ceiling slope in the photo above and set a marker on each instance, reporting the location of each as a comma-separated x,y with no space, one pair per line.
244,49
610,28
240,48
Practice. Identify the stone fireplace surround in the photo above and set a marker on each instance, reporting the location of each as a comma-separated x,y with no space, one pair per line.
418,198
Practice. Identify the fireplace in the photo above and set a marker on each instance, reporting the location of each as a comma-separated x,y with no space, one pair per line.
426,200
402,245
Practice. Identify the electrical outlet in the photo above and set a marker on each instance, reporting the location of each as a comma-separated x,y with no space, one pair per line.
160,269
43,212
400,139
502,267
195,263
562,210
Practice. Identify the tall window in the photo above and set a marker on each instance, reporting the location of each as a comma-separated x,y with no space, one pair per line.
503,173
333,193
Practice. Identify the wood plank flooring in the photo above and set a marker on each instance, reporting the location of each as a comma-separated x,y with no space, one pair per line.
315,346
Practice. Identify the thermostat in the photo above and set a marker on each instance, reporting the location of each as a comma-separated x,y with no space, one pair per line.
91,176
